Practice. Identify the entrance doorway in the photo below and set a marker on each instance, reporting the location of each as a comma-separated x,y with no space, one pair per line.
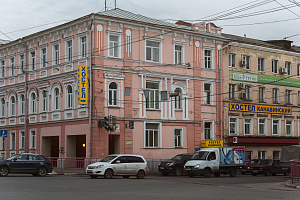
50,146
114,144
76,146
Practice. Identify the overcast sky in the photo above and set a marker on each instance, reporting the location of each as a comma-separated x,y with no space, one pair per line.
19,17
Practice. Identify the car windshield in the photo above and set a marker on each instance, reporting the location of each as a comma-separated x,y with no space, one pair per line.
264,162
11,158
178,157
254,162
201,155
107,158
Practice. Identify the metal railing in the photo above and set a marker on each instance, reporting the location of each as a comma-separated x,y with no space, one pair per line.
295,171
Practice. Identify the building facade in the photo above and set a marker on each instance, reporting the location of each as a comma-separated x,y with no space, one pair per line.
162,81
261,95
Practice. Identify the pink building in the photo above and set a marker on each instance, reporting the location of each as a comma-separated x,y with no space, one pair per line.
162,78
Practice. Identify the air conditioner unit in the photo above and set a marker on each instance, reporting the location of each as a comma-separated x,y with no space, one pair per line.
242,85
243,63
283,70
243,96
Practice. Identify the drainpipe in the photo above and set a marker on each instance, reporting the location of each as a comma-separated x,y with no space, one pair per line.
25,107
90,106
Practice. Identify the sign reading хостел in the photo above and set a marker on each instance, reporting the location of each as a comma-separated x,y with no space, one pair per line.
260,108
82,84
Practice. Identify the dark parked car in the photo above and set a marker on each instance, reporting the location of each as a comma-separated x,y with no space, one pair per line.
174,165
34,164
268,167
249,166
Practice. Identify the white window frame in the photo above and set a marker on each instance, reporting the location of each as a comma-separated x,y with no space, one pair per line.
152,131
32,60
291,127
55,54
56,99
82,46
178,60
114,47
278,127
113,95
21,140
232,60
207,97
288,68
298,70
178,138
3,70
12,143
43,57
178,99
236,124
279,155
262,155
22,105
69,97
212,127
21,63
12,66
32,104
275,96
32,139
69,50
250,125
12,106
156,96
44,103
275,69
208,60
261,64
289,96
152,48
262,94
2,102
246,59
248,92
265,129
3,146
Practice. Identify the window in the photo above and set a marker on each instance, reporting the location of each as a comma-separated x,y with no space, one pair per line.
298,97
22,105
56,54
289,127
177,99
298,70
276,127
248,92
275,66
2,107
12,140
69,97
2,68
262,155
56,99
232,91
69,51
113,94
12,106
275,95
248,155
22,140
3,144
22,63
208,93
207,59
246,62
151,135
276,155
152,51
32,140
44,101
232,60
178,55
262,94
12,66
178,138
233,125
114,46
262,126
208,130
32,103
152,101
288,68
248,127
289,96
261,64
32,60
44,57
83,47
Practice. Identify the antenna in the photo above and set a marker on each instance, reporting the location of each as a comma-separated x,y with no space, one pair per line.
115,4
105,6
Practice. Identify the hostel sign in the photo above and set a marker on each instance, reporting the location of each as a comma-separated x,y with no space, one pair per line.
211,143
260,108
82,84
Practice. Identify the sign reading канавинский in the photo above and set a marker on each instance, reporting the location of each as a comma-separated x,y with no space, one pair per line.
260,108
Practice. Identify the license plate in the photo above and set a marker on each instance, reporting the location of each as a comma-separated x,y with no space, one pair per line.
255,171
89,171
188,169
161,168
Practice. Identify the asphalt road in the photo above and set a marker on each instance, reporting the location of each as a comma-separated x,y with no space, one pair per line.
26,187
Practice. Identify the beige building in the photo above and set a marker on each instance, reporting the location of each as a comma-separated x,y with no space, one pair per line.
261,95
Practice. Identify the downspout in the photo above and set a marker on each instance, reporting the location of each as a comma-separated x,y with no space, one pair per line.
25,107
90,106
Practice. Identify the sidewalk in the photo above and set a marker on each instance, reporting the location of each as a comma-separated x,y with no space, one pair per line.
289,184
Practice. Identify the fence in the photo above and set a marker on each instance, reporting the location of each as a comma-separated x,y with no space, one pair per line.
295,171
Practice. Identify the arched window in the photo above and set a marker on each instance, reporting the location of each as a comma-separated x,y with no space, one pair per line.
2,107
69,97
56,99
177,99
44,101
32,103
113,94
12,106
22,105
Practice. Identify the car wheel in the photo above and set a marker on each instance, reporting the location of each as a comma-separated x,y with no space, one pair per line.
165,173
286,173
125,176
35,174
217,174
267,173
140,174
207,173
4,171
178,171
108,174
42,171
233,172
93,176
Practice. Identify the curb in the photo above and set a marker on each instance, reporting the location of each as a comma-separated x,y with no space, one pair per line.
290,185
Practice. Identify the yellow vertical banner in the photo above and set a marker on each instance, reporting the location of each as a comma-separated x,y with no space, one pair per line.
82,84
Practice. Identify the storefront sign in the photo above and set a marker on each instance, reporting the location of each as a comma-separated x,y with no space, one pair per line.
260,108
211,143
82,84
265,79
129,142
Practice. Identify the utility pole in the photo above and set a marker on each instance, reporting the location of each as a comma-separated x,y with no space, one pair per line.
115,4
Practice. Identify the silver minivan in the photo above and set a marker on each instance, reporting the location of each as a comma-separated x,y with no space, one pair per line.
124,165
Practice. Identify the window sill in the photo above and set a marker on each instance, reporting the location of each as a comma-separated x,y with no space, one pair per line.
208,105
149,109
114,106
12,150
262,101
178,110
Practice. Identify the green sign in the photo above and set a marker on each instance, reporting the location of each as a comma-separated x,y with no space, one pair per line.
265,79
